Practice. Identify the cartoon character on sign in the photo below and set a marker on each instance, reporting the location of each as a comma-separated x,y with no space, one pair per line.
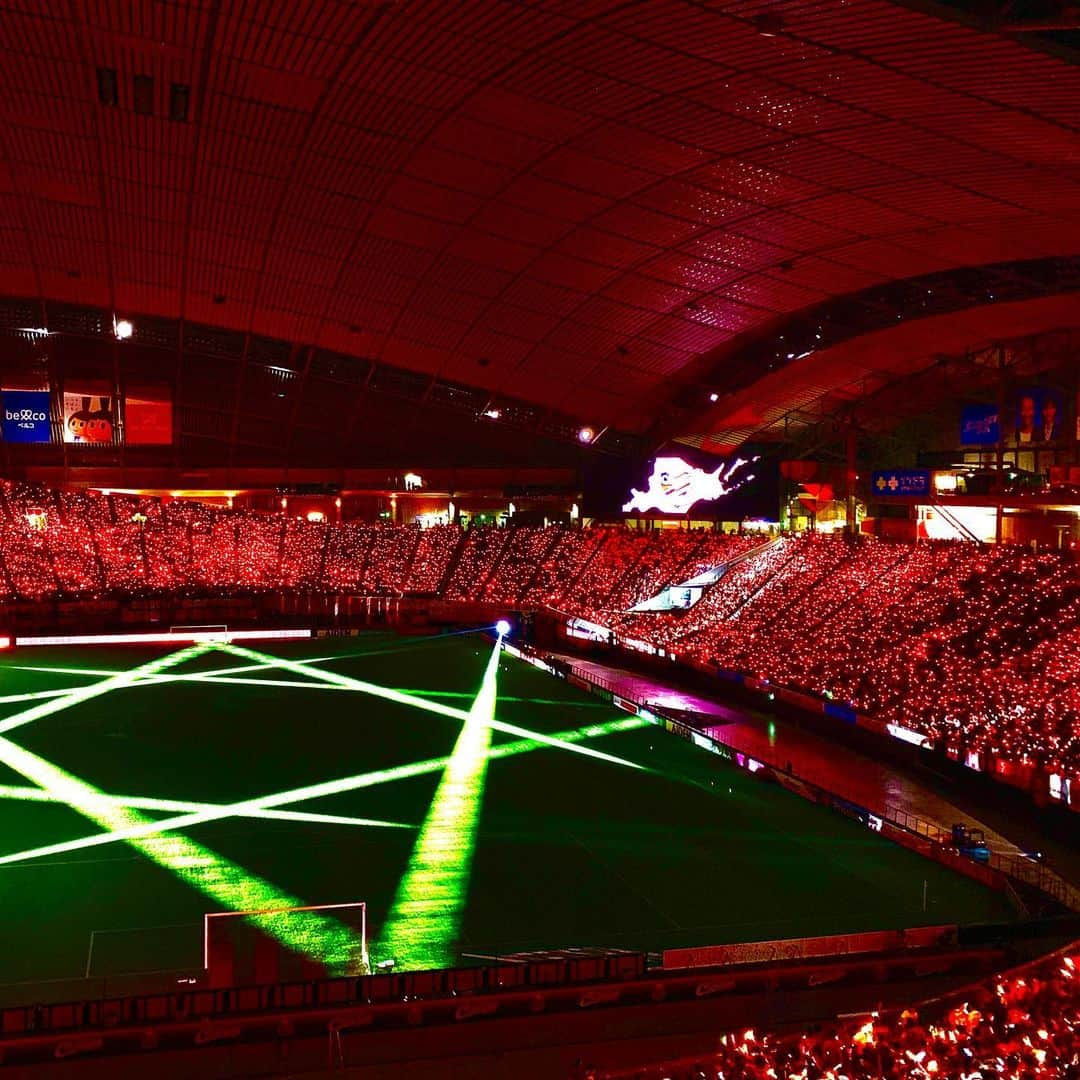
675,486
91,426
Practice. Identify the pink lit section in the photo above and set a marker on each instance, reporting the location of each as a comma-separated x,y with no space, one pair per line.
179,638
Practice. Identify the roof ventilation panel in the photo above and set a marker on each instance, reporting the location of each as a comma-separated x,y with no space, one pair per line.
143,94
107,87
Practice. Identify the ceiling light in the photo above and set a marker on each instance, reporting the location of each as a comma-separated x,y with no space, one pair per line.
586,435
122,329
714,397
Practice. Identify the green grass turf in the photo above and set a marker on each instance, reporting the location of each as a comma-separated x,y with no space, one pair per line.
569,850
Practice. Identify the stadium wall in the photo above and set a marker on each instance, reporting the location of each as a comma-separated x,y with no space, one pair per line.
1043,787
998,872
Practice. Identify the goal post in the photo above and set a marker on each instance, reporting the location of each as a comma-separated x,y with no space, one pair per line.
284,944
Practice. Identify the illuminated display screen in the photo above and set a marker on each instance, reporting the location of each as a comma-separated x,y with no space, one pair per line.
674,485
681,481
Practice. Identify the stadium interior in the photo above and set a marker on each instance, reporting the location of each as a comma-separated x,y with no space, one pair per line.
540,538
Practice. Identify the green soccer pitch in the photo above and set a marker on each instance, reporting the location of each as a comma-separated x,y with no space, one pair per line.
475,804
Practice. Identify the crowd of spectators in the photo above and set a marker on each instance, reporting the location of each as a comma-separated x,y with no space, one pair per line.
60,543
975,647
1023,1025
477,560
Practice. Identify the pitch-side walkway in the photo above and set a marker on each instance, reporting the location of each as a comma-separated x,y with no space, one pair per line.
838,769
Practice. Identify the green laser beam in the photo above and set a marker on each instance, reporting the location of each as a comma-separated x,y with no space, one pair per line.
310,933
425,917
140,802
32,695
429,904
429,706
362,685
228,675
79,694
318,791
105,672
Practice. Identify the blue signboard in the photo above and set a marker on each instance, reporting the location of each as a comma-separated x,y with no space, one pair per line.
979,425
890,482
25,416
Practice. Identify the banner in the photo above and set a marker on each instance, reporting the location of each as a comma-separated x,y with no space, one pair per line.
26,416
88,419
148,417
899,482
979,425
833,945
1039,416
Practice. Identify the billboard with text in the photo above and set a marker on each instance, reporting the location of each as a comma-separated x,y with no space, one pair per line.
25,416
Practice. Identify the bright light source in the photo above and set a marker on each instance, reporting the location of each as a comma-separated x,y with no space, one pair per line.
316,516
425,918
123,329
502,627
158,638
586,435
413,481
493,413
714,397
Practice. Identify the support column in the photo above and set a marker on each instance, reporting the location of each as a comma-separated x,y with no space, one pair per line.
999,479
851,474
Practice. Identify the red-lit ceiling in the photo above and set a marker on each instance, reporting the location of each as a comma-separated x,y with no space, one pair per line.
521,196
778,404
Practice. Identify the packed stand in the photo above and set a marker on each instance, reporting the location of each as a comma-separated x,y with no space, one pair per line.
976,648
557,574
1024,1024
972,647
477,559
434,550
392,549
525,553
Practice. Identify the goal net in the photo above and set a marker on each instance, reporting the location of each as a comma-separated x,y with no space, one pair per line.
288,944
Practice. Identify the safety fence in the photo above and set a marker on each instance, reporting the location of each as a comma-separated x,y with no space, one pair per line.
996,870
1044,785
476,991
194,1003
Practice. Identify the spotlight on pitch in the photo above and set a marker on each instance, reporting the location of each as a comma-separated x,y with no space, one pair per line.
503,627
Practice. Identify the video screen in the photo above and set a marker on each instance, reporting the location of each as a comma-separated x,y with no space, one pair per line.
681,482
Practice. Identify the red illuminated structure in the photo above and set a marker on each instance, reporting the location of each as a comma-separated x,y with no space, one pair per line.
270,243
975,650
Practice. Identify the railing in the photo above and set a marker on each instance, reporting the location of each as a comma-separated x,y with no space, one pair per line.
1039,876
1030,872
184,1004
812,701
